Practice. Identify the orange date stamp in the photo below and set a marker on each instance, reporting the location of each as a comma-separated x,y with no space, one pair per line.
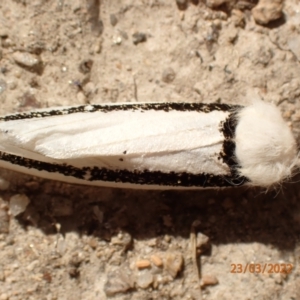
266,268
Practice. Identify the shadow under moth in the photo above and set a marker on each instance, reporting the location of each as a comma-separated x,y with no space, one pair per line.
151,145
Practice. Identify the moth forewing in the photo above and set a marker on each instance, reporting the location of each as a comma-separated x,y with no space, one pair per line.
157,145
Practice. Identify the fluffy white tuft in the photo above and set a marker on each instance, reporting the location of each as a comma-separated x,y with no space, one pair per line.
265,147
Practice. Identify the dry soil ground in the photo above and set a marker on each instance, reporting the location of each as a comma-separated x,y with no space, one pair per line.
77,242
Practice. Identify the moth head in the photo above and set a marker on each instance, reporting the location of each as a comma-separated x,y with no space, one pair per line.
265,147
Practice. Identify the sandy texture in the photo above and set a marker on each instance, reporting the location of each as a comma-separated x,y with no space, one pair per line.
75,242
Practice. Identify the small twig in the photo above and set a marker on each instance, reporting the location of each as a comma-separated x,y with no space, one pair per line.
135,91
195,256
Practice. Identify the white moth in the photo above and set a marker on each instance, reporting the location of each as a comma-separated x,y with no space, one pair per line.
151,146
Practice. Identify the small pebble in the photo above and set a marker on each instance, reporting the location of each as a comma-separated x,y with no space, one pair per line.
143,264
267,11
202,241
167,238
81,98
93,243
123,239
168,75
157,261
31,61
139,37
144,279
117,40
98,46
118,281
209,280
174,263
113,19
18,204
61,246
18,73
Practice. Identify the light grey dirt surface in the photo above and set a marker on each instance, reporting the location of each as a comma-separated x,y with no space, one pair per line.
63,242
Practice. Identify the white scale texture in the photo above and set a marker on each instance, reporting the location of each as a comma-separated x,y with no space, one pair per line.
153,140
